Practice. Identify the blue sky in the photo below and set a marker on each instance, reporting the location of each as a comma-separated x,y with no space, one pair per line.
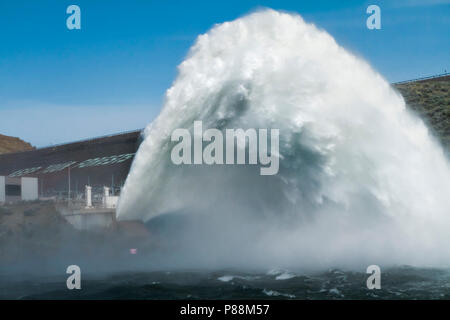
59,85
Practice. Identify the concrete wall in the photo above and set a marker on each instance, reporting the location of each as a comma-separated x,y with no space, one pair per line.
29,189
110,202
92,220
2,189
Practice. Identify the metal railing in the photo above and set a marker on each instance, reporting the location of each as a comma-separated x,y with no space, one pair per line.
424,78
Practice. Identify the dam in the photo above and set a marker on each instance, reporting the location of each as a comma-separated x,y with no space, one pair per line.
63,171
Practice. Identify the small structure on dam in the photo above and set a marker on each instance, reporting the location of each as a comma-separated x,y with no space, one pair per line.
18,189
86,215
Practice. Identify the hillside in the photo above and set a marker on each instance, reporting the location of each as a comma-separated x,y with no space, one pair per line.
12,144
431,100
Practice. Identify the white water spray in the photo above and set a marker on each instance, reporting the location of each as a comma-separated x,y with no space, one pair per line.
361,180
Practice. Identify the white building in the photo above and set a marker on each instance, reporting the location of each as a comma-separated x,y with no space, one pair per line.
18,189
109,201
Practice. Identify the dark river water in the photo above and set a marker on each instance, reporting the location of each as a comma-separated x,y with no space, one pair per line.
396,283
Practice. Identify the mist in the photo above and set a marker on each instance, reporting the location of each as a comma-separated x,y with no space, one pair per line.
361,179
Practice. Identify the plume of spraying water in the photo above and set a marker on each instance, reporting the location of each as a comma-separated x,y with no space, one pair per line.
361,180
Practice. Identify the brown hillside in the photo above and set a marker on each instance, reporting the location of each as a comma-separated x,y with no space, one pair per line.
431,100
13,144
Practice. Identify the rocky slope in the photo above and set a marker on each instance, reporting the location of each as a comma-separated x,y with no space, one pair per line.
13,144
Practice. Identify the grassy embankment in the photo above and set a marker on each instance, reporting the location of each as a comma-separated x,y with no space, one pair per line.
430,99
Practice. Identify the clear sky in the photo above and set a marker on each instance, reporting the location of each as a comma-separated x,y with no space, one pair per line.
59,85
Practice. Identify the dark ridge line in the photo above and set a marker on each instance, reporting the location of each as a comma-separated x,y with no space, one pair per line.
74,142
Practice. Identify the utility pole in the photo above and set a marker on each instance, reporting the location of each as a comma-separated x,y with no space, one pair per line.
112,184
68,195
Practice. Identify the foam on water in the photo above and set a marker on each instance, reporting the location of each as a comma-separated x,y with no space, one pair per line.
361,180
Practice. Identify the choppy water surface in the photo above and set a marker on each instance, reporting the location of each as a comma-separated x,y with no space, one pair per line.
396,283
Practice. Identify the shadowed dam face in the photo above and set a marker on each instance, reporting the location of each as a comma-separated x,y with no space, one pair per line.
360,180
